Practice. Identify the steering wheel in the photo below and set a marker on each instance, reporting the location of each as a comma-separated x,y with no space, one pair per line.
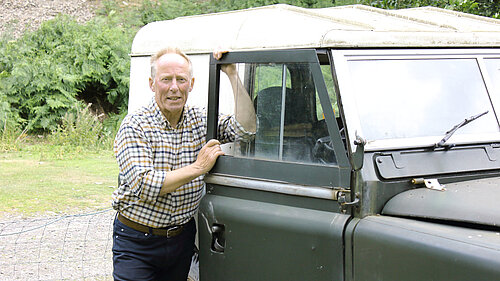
323,151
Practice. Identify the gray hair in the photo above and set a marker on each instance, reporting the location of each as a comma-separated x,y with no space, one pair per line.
169,50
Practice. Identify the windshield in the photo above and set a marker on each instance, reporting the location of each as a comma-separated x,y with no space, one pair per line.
493,66
412,98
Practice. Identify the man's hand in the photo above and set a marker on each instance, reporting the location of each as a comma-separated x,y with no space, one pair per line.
204,162
218,53
229,69
208,155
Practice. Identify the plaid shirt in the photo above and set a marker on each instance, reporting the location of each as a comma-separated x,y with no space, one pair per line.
146,148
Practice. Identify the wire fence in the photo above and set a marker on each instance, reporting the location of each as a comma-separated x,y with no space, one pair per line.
71,247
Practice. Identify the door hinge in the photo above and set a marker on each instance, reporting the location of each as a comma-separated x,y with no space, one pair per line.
344,204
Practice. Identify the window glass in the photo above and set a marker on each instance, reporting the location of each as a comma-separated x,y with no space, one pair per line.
289,123
419,97
327,76
493,66
269,75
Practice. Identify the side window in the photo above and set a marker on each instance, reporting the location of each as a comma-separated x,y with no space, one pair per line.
290,121
327,76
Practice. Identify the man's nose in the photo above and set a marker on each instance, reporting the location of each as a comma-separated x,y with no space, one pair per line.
174,85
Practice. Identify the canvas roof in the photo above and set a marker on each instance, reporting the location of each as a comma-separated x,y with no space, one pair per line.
283,26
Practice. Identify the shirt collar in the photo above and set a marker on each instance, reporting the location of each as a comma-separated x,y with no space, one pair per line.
158,115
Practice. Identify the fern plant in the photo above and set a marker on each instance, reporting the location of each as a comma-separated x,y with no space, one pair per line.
44,73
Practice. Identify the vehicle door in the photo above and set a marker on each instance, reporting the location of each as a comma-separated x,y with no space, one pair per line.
270,211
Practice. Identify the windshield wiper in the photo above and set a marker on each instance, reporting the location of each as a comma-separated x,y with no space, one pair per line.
450,133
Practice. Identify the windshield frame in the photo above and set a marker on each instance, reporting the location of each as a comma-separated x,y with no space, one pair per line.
341,60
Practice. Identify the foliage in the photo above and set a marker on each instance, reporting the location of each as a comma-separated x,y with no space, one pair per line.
10,137
152,11
164,10
79,128
44,73
9,117
80,132
169,9
488,8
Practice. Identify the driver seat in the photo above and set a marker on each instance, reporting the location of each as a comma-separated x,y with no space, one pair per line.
297,134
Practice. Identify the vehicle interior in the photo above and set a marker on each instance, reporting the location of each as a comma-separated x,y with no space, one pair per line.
290,122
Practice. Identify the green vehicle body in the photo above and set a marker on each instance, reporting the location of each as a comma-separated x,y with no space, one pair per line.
351,174
368,216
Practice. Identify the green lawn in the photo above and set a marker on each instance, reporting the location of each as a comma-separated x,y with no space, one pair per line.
30,185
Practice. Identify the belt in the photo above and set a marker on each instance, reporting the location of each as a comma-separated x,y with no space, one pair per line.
167,232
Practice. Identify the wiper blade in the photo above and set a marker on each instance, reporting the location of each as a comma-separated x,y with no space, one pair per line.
442,143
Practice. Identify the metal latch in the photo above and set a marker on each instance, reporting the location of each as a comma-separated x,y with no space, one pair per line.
429,183
344,204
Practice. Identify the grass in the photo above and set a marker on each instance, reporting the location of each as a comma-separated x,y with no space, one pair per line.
47,180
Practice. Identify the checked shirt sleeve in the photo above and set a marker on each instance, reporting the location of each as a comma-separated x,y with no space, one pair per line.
135,160
230,129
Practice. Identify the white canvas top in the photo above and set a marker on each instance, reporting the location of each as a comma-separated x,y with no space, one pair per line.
283,26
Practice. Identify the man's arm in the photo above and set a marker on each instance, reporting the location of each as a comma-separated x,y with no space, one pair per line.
204,162
244,110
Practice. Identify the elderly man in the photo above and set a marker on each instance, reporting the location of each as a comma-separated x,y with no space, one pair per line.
162,154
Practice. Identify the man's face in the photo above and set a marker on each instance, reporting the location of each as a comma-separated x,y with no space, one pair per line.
171,85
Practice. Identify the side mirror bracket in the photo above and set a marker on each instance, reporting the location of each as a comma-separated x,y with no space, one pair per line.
358,155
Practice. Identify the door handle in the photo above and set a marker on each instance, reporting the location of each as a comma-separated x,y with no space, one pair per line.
218,238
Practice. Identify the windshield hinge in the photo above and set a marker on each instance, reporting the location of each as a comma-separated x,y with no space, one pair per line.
429,183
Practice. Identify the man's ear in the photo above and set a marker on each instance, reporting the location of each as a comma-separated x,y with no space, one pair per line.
151,84
192,84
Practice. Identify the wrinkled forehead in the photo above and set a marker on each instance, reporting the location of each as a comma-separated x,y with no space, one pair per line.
173,61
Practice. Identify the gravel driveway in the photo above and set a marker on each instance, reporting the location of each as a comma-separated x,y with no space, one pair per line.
71,247
20,15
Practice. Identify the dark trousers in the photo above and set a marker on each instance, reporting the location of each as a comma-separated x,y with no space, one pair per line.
143,256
